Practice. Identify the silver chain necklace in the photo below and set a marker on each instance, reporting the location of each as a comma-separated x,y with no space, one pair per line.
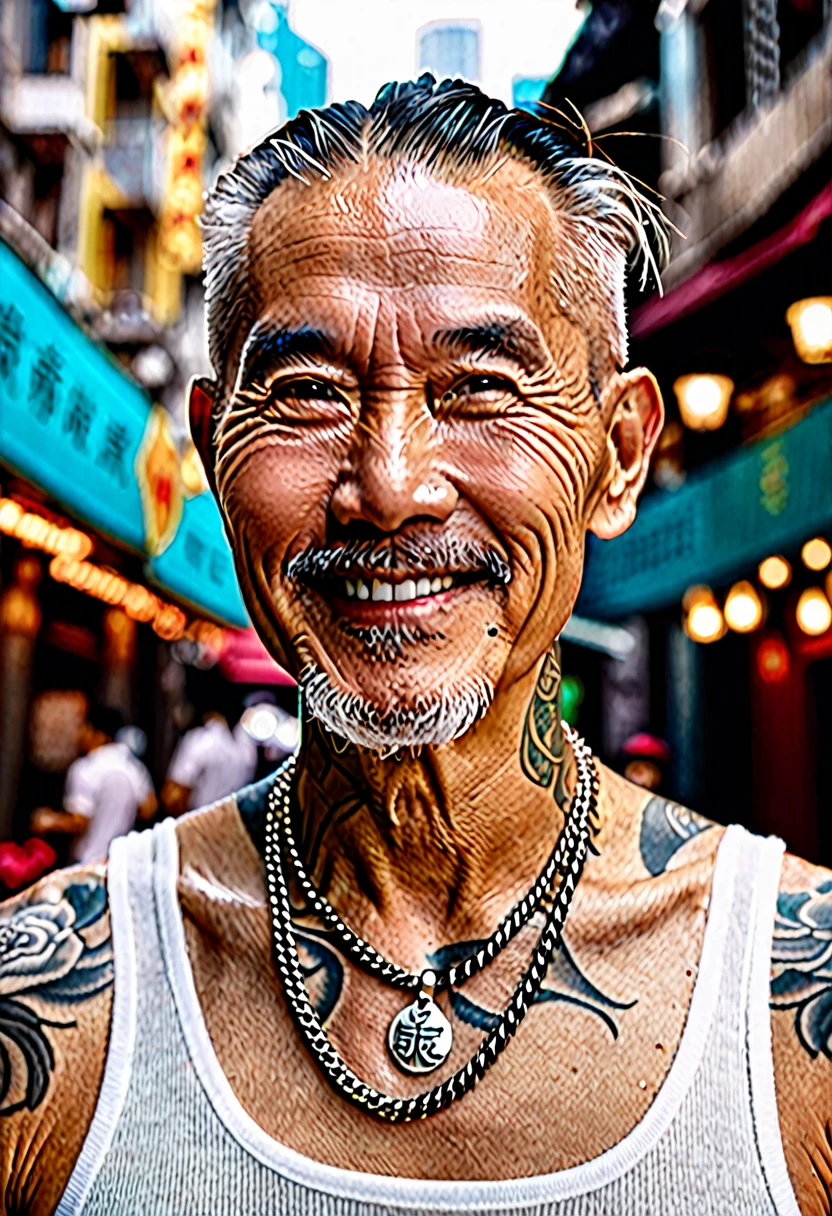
420,1036
369,959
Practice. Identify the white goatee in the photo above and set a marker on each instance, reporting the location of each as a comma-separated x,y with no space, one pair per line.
432,721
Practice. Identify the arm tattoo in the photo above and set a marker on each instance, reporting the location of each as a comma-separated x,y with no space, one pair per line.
665,827
59,953
564,982
801,965
543,746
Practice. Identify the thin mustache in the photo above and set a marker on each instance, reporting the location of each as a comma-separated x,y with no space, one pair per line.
401,555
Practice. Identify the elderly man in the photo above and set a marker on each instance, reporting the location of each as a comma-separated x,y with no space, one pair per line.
442,961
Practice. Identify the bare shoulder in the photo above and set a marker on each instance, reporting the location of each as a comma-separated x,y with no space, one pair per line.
56,975
652,832
801,1019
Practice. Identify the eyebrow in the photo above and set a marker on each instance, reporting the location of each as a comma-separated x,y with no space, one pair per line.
270,347
510,339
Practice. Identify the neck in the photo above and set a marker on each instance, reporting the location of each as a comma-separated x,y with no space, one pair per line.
433,848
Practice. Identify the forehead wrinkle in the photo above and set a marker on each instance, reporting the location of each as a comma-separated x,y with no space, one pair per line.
502,237
535,268
387,271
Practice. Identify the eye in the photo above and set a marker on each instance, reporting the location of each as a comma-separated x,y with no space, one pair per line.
479,391
307,388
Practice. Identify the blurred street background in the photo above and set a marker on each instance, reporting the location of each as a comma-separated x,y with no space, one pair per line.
699,660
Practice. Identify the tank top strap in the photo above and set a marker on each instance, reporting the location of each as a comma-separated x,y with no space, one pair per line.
766,1118
739,943
137,969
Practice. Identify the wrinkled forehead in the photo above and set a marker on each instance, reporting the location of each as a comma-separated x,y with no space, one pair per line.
398,230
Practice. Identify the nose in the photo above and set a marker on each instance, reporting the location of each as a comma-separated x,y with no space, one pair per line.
391,474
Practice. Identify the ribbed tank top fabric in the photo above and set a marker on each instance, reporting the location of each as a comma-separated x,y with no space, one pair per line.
170,1138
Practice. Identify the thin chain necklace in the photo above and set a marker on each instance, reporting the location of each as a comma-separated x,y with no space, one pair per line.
415,1036
370,960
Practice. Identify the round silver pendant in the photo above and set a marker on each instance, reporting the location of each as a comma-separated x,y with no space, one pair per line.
420,1036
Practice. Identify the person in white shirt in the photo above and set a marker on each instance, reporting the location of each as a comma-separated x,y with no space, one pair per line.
210,762
107,790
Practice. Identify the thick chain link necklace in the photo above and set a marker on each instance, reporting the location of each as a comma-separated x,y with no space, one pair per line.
420,1036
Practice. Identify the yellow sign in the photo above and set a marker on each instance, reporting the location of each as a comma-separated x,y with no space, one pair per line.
160,482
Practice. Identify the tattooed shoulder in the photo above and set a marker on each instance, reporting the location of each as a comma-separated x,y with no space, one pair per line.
55,956
801,956
665,827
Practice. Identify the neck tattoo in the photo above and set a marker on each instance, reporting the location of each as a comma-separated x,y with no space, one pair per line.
543,752
420,1037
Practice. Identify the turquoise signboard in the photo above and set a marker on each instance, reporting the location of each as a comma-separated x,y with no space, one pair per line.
765,498
72,423
198,566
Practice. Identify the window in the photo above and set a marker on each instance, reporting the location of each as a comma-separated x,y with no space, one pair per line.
126,234
451,49
48,36
800,21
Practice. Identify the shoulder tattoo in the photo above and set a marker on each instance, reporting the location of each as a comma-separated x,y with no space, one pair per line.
665,827
59,953
801,965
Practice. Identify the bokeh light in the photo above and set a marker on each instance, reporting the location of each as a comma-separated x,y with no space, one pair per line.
743,608
810,321
816,554
774,572
704,621
814,613
703,400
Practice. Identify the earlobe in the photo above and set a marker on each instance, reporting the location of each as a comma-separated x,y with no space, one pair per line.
636,419
201,397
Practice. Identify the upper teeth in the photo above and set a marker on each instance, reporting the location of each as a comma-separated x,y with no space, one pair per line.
410,589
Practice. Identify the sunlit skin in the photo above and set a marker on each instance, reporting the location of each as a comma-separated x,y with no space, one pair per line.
396,424
399,426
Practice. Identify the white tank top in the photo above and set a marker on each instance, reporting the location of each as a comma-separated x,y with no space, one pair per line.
169,1137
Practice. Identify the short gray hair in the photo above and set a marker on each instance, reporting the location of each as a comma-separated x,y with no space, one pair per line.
448,125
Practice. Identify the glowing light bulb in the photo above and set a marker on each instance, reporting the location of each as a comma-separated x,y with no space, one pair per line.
703,621
814,612
703,400
743,608
774,572
816,554
811,325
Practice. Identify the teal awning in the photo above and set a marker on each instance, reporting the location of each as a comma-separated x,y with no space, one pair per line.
71,422
764,498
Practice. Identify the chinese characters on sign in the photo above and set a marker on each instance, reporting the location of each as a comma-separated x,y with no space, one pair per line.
51,394
76,426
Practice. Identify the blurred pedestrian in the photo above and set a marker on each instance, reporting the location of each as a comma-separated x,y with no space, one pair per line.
645,759
107,790
210,762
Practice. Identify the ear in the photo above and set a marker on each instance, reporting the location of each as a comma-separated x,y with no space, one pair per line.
633,404
201,396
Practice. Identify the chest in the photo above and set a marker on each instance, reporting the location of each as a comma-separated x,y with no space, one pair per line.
588,1060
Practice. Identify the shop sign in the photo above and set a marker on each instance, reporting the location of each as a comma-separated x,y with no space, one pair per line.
70,421
718,525
197,565
73,424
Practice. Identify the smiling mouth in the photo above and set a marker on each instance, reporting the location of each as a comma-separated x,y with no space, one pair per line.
368,596
378,582
387,591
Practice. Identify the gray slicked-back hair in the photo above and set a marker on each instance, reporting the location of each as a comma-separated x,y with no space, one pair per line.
444,127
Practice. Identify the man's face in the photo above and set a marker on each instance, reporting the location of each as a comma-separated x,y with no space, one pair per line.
413,446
